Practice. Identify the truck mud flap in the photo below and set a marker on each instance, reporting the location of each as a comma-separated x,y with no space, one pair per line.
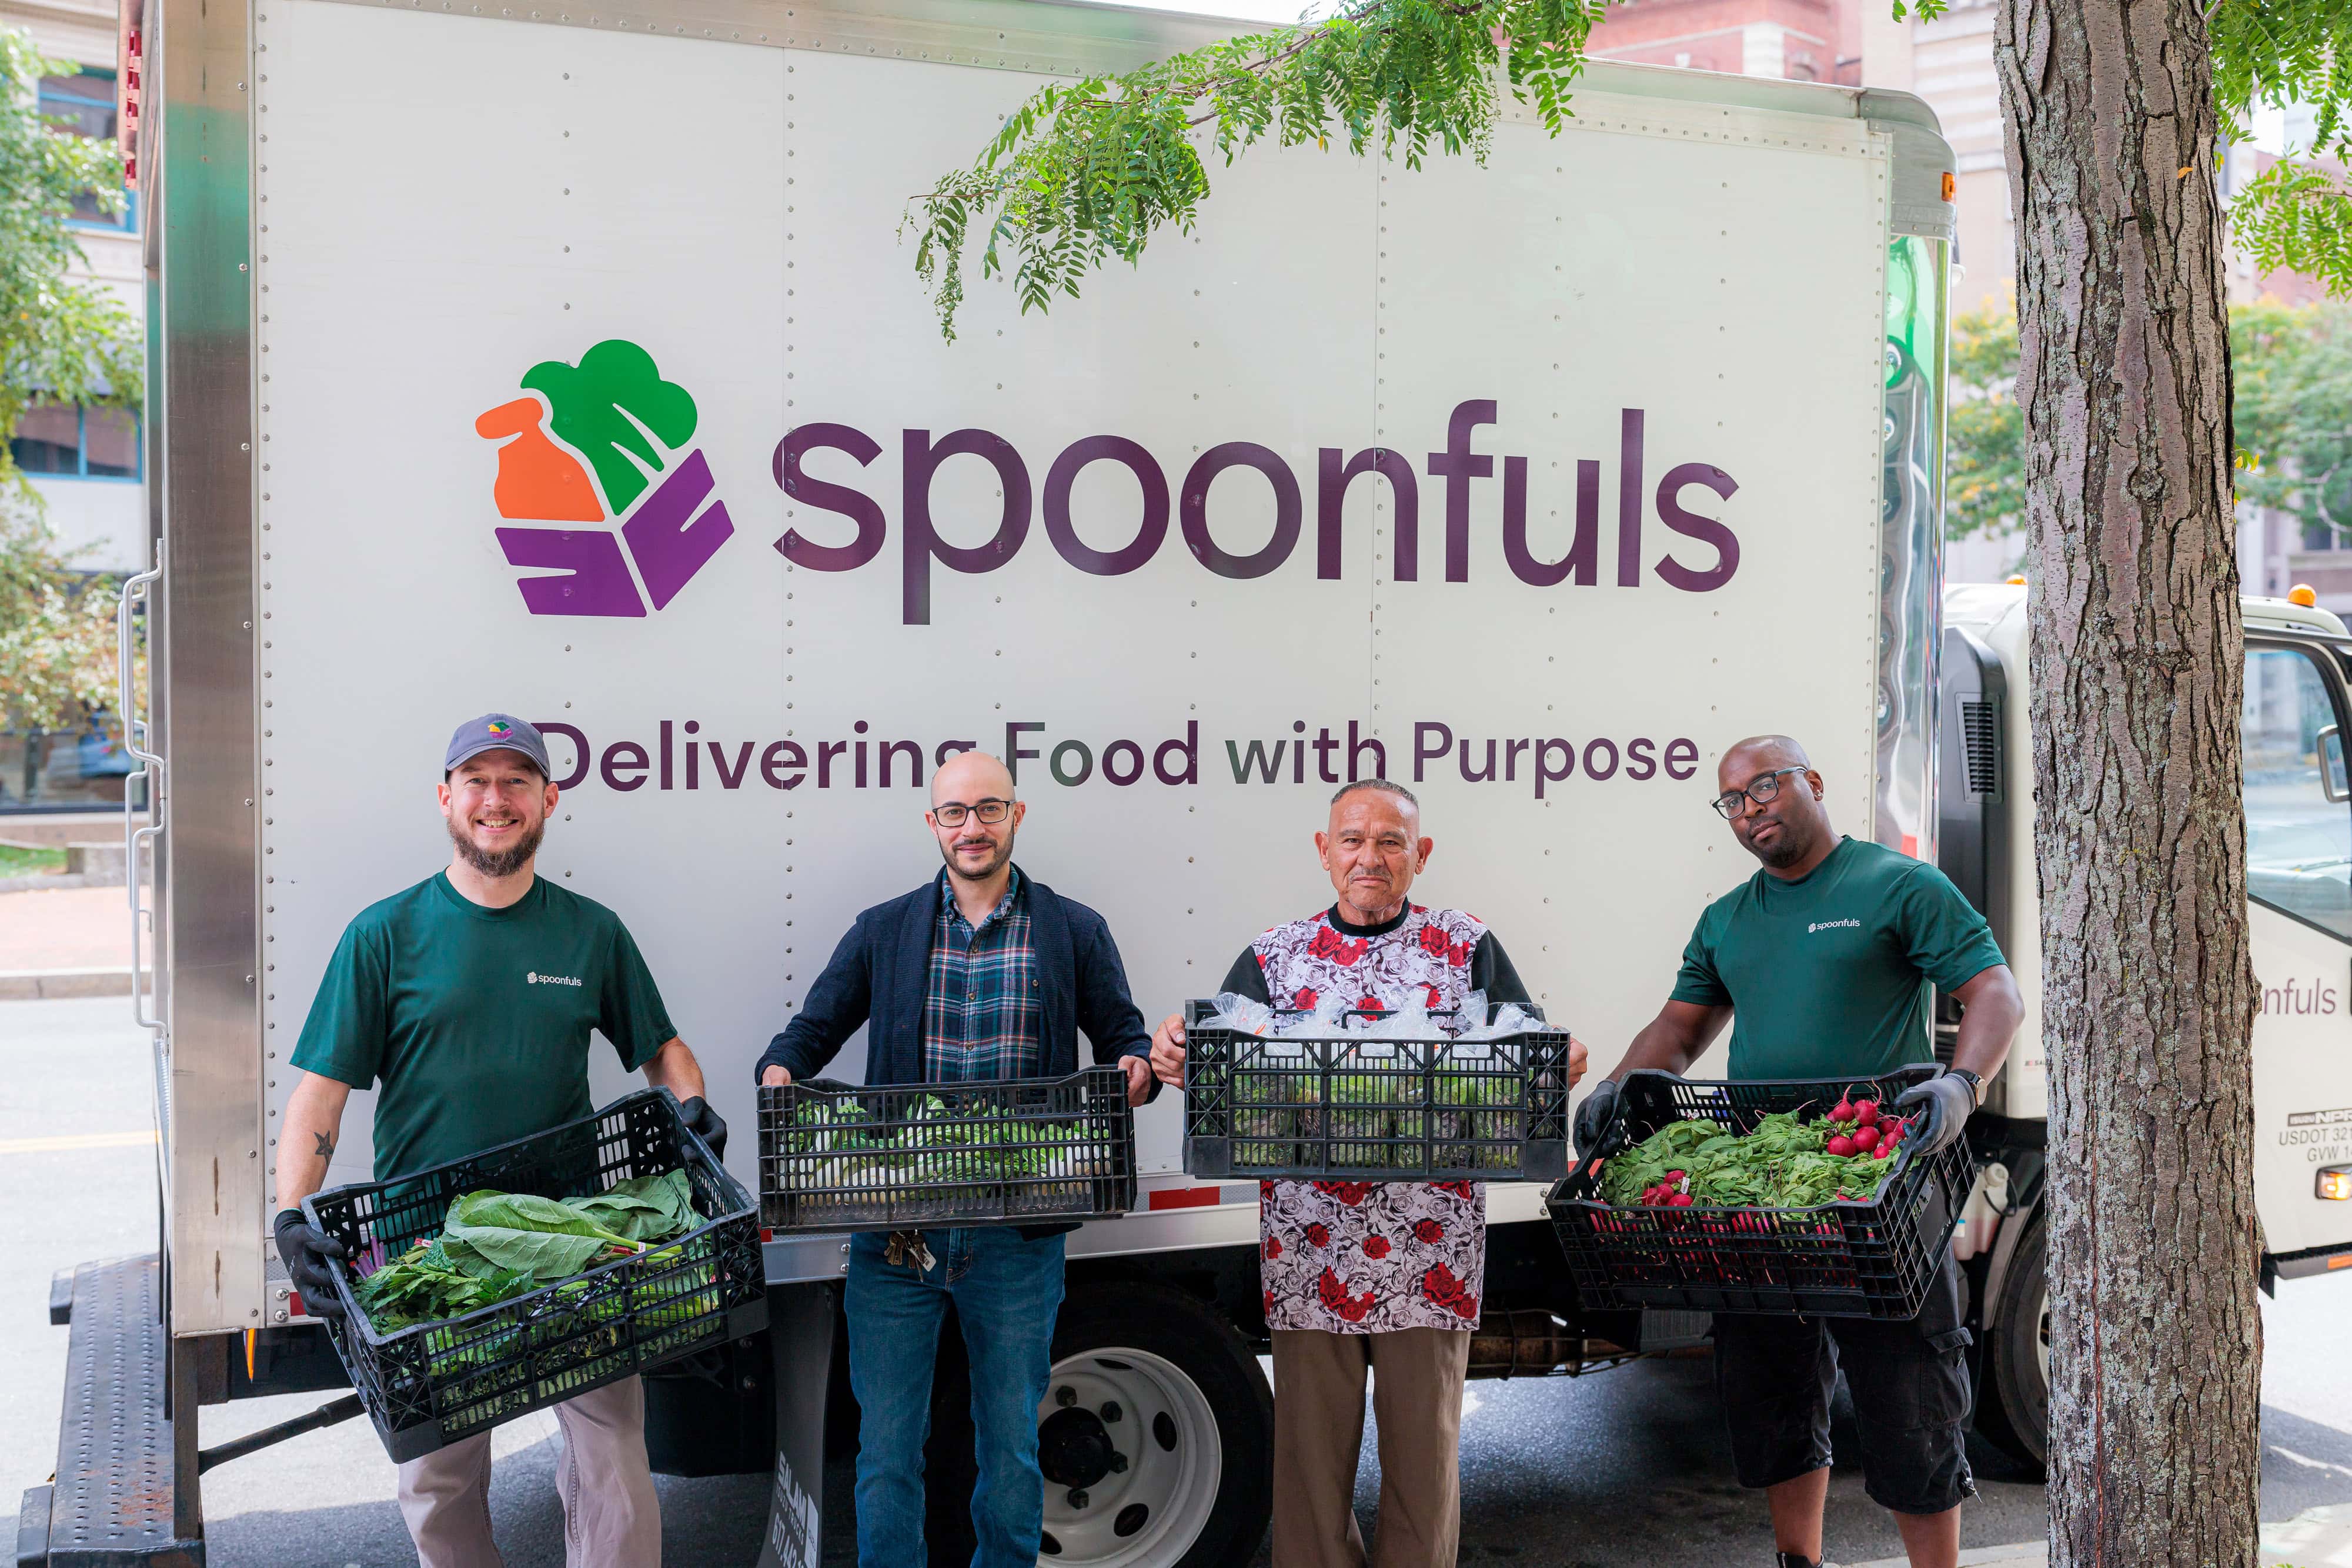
799,1336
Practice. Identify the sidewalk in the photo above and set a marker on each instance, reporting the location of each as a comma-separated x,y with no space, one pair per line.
2317,1538
65,942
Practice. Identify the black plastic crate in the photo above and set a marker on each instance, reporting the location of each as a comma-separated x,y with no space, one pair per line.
428,1385
1019,1151
1347,1108
1854,1258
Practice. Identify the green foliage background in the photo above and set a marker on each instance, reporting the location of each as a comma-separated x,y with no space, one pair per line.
1984,485
1092,169
2292,417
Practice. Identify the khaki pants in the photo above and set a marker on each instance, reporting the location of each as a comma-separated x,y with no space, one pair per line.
1319,1434
611,1517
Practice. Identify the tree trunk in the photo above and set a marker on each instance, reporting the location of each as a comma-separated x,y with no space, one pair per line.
2149,994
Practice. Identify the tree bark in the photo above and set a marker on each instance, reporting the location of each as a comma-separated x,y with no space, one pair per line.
2149,994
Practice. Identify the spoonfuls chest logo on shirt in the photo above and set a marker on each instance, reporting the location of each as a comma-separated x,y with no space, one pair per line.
1848,925
535,979
593,444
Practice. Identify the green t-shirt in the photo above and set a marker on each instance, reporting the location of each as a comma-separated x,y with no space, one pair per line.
476,1021
1827,976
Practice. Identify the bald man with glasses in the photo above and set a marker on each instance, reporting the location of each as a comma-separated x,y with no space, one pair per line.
1821,963
979,975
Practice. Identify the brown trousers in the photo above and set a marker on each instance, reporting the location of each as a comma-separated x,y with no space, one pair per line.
611,1517
1318,1435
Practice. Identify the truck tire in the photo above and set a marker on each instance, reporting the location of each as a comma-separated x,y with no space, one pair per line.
2013,1395
1146,1378
1157,1382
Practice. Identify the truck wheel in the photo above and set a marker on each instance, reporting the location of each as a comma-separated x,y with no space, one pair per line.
1156,1435
2013,1396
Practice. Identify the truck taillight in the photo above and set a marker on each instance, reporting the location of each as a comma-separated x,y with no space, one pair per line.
2336,1182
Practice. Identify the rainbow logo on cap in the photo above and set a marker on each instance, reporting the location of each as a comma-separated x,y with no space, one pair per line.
500,729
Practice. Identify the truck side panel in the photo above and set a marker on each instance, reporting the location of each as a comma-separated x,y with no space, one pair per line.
1155,546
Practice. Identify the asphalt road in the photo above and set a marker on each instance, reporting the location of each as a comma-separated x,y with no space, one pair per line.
1623,1469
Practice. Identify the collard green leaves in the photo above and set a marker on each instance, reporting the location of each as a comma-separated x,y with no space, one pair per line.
494,1246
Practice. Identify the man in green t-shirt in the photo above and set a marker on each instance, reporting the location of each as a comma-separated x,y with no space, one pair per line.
1821,963
467,1001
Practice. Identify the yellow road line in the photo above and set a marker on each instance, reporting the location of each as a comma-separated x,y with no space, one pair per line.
75,1141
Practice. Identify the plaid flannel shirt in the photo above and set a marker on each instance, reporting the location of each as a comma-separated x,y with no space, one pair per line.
983,1019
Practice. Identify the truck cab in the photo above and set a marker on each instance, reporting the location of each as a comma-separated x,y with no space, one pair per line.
2298,700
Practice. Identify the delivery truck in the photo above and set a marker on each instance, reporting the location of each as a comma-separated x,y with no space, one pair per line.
566,360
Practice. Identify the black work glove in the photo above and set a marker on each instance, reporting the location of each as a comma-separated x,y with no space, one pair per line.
306,1248
1592,1119
1944,1104
702,1119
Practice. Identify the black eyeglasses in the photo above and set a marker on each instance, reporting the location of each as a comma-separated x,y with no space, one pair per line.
1730,803
990,810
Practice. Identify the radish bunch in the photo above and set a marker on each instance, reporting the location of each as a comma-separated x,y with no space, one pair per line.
1866,1129
1786,1160
1670,1193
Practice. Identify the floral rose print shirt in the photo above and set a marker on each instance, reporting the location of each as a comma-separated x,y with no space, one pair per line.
1374,1257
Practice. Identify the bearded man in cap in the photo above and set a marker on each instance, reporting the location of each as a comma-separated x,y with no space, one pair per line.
467,1001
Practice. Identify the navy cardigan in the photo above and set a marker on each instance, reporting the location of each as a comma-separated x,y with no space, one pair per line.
880,974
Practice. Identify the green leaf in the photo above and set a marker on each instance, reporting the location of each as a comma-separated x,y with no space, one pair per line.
644,1209
1090,170
519,1232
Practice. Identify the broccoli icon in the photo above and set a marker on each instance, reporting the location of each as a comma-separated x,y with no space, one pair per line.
606,407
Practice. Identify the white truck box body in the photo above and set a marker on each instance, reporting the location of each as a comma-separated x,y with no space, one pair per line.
1710,252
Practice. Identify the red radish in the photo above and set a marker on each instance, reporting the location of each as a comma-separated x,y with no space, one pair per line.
1885,1151
1841,1145
1866,1111
1681,1200
1865,1138
1843,1111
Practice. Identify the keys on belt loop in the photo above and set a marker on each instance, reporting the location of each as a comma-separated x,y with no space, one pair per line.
906,1248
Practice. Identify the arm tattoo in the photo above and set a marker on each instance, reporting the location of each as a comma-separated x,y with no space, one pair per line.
326,1148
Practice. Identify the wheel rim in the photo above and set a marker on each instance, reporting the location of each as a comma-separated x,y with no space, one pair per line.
1165,1431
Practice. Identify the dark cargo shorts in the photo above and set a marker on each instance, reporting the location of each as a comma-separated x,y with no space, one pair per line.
1910,1386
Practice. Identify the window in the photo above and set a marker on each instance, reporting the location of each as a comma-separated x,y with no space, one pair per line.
71,442
2298,799
84,105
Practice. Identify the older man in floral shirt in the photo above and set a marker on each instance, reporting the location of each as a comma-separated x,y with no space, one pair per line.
1382,1274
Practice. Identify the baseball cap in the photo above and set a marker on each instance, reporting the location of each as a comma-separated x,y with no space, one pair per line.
496,732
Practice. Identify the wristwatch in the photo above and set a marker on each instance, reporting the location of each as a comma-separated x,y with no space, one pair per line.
1976,1084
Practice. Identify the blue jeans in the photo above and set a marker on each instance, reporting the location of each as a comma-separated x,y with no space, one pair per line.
1007,1291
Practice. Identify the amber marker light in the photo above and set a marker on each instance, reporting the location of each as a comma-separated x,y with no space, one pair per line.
2302,593
1950,183
2336,1182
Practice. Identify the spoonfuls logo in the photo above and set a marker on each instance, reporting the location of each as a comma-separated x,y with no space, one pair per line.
596,443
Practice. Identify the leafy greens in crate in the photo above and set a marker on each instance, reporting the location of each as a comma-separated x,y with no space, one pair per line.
932,1141
1381,1106
495,1246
